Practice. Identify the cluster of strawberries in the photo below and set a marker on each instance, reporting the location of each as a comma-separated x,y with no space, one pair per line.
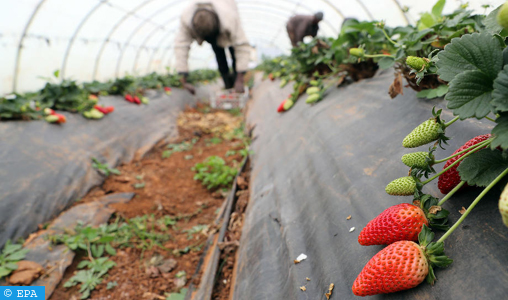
404,263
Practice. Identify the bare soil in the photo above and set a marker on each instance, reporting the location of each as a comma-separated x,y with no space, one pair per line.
169,190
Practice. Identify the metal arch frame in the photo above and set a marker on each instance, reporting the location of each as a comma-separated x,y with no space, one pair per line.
148,37
335,31
20,45
159,47
365,9
111,32
135,31
402,12
278,15
167,36
286,17
76,32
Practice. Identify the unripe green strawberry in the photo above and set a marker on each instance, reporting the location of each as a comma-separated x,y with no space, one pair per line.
416,159
404,186
502,15
288,104
417,63
283,83
145,100
93,114
313,98
358,52
51,119
503,205
425,133
314,83
313,90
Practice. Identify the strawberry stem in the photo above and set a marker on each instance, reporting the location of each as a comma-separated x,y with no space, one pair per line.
377,55
490,119
451,122
450,194
389,39
463,151
470,208
477,147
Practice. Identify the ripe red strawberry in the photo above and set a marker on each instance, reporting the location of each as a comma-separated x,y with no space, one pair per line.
271,77
136,100
105,110
451,178
129,98
281,106
101,109
61,118
402,222
167,89
401,266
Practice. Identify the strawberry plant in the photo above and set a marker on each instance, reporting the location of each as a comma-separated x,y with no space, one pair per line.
99,242
213,173
104,169
16,107
10,255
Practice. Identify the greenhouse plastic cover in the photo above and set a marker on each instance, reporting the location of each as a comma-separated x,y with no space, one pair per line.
313,166
106,39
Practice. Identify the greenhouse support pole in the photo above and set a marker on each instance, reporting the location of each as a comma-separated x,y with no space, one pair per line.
20,46
111,32
136,30
73,38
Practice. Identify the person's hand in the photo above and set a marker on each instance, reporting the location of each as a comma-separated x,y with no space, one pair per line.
187,85
239,85
190,88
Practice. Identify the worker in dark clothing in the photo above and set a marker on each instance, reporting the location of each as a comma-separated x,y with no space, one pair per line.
300,26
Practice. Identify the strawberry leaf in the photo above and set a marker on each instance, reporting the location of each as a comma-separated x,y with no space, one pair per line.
482,167
500,93
477,51
470,94
500,132
490,22
386,62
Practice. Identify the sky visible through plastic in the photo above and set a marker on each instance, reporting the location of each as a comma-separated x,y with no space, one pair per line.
103,39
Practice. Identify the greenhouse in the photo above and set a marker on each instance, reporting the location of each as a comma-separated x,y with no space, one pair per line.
241,149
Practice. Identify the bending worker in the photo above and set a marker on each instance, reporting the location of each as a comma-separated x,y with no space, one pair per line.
300,26
218,23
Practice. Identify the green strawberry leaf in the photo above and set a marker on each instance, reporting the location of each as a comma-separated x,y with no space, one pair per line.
470,94
482,167
437,9
433,93
477,51
490,22
4,272
386,62
425,236
501,132
500,93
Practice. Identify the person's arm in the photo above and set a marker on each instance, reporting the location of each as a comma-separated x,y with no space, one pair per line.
183,41
290,27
